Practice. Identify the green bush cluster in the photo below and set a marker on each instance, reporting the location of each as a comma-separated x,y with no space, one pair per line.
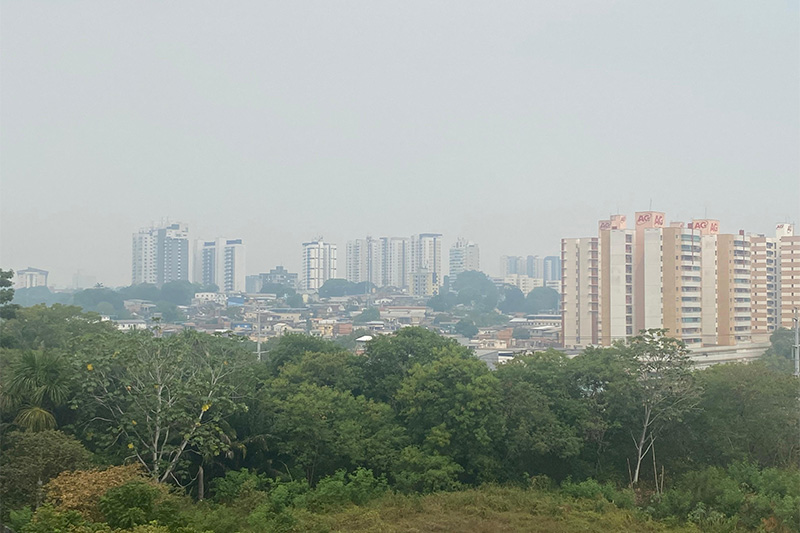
742,495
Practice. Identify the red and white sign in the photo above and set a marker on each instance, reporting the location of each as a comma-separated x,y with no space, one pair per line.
650,219
706,226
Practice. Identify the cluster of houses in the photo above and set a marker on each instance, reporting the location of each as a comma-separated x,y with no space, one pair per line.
361,317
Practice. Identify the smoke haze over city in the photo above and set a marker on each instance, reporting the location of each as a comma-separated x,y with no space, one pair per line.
510,124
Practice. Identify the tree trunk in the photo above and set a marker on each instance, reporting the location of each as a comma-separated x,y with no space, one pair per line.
641,451
201,490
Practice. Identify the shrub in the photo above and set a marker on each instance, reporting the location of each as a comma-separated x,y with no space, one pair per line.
236,484
81,490
593,489
129,505
422,472
48,519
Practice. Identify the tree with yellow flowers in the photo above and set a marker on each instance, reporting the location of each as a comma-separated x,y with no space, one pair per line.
156,400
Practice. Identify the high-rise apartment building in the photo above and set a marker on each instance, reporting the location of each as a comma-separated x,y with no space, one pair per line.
534,267
395,261
221,262
551,268
774,280
580,292
426,255
706,288
27,278
160,255
319,264
513,264
788,245
364,261
615,245
464,256
764,286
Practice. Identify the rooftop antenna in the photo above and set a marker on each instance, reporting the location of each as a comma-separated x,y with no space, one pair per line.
651,204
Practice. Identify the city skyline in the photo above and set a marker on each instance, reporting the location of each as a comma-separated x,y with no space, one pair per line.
519,123
491,265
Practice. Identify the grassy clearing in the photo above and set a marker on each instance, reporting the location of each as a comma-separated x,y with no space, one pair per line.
488,509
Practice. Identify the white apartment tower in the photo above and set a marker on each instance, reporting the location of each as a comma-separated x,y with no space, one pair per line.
221,262
395,261
364,261
160,255
319,264
426,254
464,256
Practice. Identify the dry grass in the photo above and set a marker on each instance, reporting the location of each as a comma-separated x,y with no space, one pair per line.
485,510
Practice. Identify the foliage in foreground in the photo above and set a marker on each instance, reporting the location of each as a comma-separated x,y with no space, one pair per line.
316,432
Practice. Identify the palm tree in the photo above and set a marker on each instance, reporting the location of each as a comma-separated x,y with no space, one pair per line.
38,383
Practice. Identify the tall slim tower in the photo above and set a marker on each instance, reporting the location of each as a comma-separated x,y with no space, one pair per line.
395,261
616,279
789,273
319,264
580,292
464,256
364,261
221,262
160,255
426,254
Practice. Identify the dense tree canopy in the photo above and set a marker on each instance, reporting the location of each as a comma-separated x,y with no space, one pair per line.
314,425
542,300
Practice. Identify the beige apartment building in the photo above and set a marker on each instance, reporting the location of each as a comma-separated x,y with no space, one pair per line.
616,279
580,292
789,273
705,287
764,267
774,280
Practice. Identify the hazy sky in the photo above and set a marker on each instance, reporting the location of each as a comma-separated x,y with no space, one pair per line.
511,124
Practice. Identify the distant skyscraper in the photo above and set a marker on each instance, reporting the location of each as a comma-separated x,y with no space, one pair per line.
512,265
364,261
27,278
395,261
426,254
161,255
464,256
319,264
221,262
552,268
535,267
